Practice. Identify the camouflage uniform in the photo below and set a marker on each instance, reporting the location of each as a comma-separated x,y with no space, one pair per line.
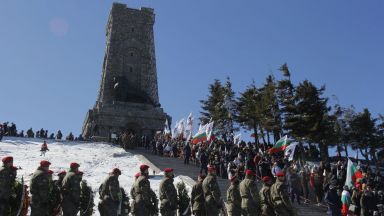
110,196
234,200
266,202
197,199
168,197
71,194
250,200
40,193
212,195
155,204
54,198
280,200
143,197
124,208
6,177
86,199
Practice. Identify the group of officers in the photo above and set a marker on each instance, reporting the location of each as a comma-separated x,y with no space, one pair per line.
243,198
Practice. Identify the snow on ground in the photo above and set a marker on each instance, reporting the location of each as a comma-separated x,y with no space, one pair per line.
96,161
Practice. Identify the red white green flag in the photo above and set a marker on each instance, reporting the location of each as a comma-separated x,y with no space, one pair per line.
201,135
353,174
280,145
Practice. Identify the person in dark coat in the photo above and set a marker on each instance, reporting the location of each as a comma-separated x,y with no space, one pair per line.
333,200
368,202
197,197
203,162
168,194
187,153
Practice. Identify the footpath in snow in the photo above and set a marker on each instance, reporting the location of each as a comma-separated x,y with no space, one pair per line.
96,161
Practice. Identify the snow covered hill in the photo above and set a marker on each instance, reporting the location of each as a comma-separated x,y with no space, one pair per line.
96,160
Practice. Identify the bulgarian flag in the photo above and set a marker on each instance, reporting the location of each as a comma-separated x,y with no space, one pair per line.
201,135
353,174
280,145
345,201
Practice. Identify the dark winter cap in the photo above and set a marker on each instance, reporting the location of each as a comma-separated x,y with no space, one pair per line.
45,163
7,159
144,167
116,171
74,165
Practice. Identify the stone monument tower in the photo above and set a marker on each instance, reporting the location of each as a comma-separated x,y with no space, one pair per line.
128,96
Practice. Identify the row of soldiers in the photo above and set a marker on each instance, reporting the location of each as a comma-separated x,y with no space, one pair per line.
244,198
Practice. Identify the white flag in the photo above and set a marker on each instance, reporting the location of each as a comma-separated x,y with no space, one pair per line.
166,127
289,151
188,127
237,139
209,130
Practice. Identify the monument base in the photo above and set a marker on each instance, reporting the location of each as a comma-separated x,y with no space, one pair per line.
140,119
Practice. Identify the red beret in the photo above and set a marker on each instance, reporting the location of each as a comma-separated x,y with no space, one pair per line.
280,174
45,163
62,172
249,172
137,175
168,170
7,159
266,179
50,172
144,167
116,171
74,165
211,168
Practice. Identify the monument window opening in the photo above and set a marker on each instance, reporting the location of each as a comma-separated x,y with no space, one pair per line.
130,69
132,54
132,29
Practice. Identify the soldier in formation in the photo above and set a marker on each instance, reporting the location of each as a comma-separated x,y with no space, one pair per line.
39,187
6,178
213,202
234,198
71,191
143,194
168,194
197,197
250,200
265,198
110,194
280,198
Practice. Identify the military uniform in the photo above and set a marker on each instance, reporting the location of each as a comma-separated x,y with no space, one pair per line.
86,199
71,194
197,199
168,197
250,200
110,196
212,195
54,198
266,202
6,177
280,199
143,197
40,193
234,200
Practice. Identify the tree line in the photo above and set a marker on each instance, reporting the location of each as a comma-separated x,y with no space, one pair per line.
301,111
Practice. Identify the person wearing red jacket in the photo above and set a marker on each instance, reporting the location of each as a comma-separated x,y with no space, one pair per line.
44,148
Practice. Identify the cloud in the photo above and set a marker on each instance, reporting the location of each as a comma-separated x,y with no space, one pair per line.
58,26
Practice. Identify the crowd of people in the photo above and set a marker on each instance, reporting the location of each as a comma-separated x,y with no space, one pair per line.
319,182
10,129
